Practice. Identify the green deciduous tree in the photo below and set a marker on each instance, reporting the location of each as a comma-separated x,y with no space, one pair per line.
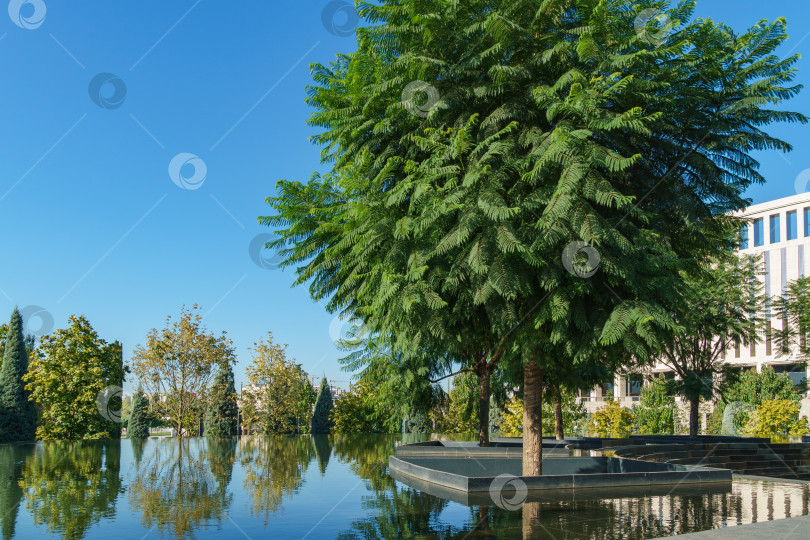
279,396
362,410
221,415
137,425
18,415
754,387
656,409
175,366
67,378
722,306
400,384
448,224
321,421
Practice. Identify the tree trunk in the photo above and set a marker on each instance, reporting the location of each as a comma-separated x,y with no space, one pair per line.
532,419
694,416
556,398
530,519
483,404
483,518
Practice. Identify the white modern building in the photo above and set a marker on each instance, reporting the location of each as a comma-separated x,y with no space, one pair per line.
779,231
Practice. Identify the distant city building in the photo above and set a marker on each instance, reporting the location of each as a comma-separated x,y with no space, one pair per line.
779,231
337,392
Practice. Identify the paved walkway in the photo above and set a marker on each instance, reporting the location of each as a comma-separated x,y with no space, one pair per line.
797,528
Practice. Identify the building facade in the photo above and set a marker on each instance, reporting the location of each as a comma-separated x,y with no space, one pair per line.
779,232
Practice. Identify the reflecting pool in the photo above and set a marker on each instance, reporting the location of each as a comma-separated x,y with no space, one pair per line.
318,487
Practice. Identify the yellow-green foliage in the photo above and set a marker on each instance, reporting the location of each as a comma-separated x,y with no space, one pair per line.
458,412
775,417
512,424
353,412
611,420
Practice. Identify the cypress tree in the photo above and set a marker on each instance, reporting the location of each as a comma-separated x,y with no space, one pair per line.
18,415
321,423
138,427
222,412
323,451
3,332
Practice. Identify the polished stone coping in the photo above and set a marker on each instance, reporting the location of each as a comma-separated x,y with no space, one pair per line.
470,469
484,498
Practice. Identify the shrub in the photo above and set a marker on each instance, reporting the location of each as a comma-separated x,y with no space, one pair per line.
776,418
611,420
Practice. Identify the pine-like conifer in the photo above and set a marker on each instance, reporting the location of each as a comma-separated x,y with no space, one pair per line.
321,423
18,415
221,415
138,425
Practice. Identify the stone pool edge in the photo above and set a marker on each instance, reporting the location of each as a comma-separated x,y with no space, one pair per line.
477,484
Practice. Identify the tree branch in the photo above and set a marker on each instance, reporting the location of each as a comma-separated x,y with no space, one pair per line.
465,370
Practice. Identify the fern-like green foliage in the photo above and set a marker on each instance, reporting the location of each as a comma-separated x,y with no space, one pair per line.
548,122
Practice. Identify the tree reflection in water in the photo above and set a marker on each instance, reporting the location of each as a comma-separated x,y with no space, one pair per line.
367,457
396,511
12,457
181,484
323,451
274,467
70,486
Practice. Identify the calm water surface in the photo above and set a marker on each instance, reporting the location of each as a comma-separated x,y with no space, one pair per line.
315,487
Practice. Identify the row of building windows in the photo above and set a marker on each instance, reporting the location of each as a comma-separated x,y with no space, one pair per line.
634,382
775,228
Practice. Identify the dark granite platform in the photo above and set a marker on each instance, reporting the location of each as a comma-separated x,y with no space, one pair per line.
467,468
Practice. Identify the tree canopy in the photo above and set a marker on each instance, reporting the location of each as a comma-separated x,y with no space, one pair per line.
67,378
526,181
176,364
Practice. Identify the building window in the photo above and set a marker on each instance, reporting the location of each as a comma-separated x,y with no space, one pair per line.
792,222
807,221
759,231
737,350
607,388
634,383
796,373
752,349
773,224
768,340
744,237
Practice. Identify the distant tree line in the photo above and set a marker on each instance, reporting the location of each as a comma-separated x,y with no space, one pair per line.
69,385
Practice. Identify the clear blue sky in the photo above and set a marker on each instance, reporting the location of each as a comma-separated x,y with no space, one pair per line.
91,221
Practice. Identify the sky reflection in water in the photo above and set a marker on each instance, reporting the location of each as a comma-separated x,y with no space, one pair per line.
314,487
